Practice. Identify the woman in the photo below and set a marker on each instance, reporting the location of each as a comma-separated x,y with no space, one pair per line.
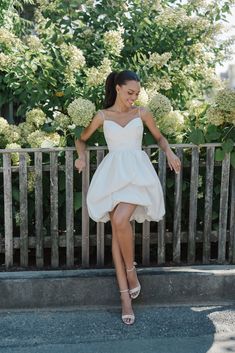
125,186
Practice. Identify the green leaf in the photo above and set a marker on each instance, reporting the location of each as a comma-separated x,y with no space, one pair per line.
48,128
219,154
196,136
15,194
232,159
169,182
148,139
212,133
77,201
77,131
227,145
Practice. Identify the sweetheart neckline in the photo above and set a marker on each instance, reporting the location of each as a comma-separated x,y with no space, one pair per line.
123,127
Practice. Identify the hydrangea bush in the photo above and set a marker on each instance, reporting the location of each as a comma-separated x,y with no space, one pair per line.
53,68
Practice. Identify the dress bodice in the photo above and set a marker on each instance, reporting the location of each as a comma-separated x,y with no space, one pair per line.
126,137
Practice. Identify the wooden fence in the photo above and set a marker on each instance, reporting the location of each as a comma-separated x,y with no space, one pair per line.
155,243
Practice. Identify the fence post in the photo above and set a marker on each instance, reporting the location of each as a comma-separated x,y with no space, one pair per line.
8,222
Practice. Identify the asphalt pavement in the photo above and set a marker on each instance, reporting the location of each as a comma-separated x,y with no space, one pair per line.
168,329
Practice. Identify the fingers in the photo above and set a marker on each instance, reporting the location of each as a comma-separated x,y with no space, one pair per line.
175,164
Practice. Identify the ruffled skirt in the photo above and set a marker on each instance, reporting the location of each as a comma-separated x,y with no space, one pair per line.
126,176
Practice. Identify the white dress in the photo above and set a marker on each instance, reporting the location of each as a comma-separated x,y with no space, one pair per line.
126,174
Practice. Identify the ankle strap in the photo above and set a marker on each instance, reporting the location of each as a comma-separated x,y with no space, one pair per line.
134,263
124,290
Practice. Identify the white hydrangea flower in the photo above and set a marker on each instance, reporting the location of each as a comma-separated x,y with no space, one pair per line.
36,117
31,181
97,76
215,116
42,139
74,55
61,121
143,97
15,157
81,111
17,218
159,60
33,42
231,118
170,17
12,133
5,62
225,100
163,83
113,41
8,39
3,125
171,123
26,129
159,105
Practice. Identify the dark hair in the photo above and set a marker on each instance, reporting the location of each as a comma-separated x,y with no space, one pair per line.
117,78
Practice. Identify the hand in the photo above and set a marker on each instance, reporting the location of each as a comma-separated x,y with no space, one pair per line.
80,164
173,161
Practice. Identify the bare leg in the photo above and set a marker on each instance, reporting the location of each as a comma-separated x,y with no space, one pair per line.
120,271
123,231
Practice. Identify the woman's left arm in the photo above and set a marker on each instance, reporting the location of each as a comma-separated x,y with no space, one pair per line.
172,159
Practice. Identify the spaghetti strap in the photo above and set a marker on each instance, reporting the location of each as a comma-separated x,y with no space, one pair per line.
102,113
139,113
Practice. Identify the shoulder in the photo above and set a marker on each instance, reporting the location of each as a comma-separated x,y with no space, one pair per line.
98,118
145,113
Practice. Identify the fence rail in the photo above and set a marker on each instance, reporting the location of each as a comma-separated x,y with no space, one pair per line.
89,244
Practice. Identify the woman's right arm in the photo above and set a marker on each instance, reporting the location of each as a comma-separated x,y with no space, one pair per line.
80,144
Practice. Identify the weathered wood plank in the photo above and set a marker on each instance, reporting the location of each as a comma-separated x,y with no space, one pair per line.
69,208
23,210
85,215
146,233
208,203
162,223
108,239
177,210
133,232
100,225
8,223
232,219
54,210
38,209
193,204
223,214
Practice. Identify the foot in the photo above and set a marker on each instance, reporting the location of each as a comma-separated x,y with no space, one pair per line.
128,316
133,282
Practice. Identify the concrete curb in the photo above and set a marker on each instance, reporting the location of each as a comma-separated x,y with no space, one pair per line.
190,285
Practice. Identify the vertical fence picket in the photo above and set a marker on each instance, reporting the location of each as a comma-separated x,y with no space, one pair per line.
69,167
146,233
38,208
226,232
232,219
177,210
8,222
223,213
85,215
23,210
193,204
162,223
133,232
54,209
100,225
208,203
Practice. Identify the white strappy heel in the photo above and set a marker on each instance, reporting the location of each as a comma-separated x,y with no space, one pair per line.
128,319
134,292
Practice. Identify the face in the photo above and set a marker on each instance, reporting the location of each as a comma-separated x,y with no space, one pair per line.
128,93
